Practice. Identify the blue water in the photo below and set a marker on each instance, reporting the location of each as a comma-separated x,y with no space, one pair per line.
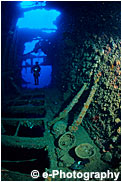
30,4
39,19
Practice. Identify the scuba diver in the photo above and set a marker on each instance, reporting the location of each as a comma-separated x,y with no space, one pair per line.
36,48
36,70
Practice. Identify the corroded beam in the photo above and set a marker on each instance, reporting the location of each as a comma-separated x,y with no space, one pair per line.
65,112
23,142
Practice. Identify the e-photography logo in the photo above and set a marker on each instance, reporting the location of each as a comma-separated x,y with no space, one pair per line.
35,174
77,175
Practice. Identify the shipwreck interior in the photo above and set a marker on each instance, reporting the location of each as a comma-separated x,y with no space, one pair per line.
68,116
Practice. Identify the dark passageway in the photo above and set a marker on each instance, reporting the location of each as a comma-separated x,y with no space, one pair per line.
60,89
